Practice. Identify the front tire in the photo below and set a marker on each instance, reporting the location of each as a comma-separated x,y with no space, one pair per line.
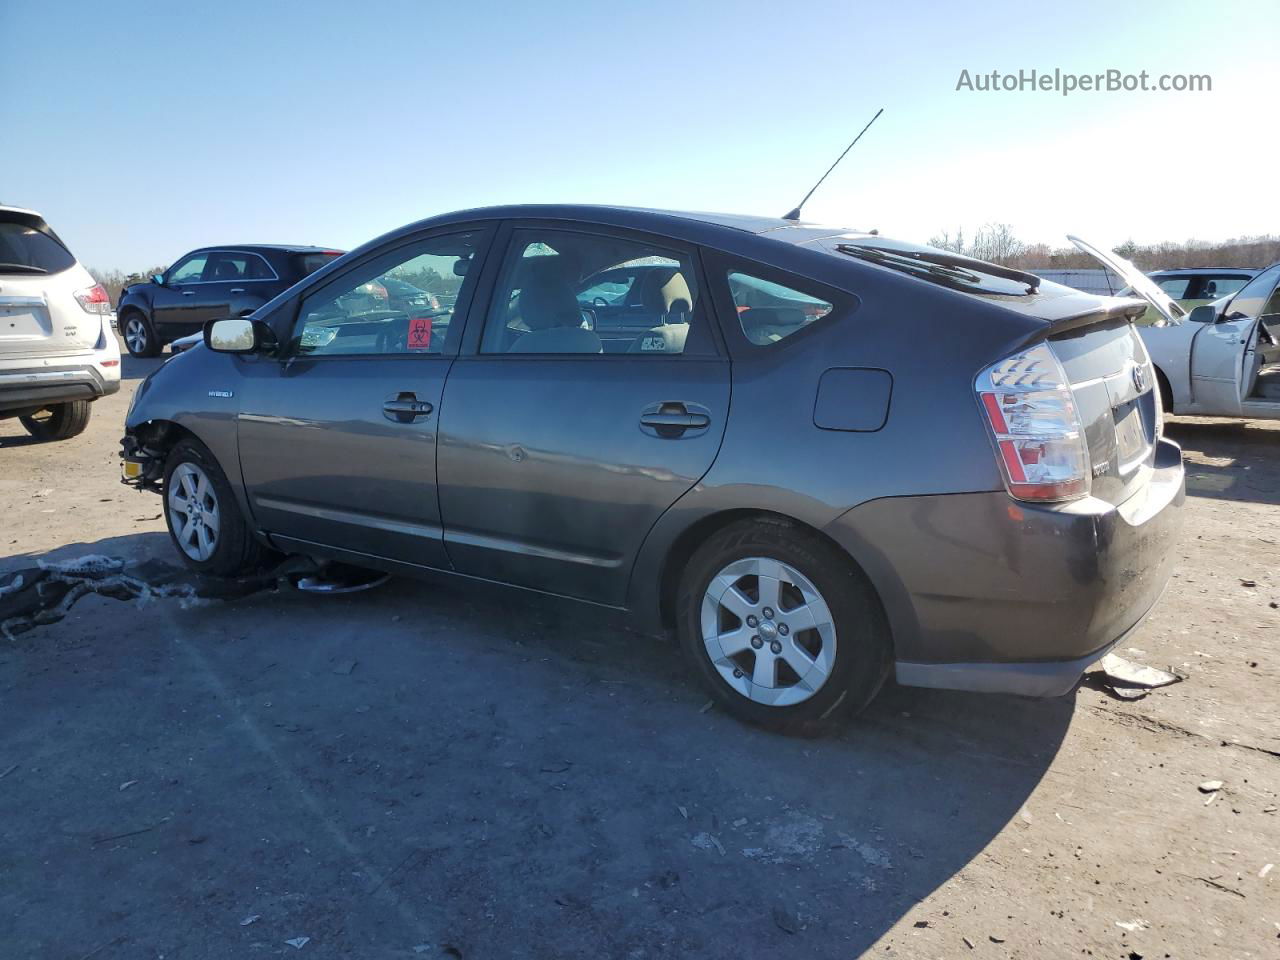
781,627
61,421
140,337
203,517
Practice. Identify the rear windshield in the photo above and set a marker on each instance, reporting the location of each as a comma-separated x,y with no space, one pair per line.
24,250
311,262
938,266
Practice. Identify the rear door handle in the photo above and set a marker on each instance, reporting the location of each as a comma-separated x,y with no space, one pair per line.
406,408
236,290
188,293
683,420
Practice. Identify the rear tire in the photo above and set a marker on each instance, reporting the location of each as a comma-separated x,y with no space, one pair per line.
764,600
203,517
139,334
61,421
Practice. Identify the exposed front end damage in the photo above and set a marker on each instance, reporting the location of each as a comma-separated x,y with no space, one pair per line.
142,454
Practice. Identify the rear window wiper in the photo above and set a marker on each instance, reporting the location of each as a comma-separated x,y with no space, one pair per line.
945,266
22,266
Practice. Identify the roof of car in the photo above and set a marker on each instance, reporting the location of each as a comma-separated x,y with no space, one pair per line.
276,247
1194,271
4,208
792,231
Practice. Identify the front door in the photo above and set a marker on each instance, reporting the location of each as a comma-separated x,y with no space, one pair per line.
175,305
338,436
1221,360
557,455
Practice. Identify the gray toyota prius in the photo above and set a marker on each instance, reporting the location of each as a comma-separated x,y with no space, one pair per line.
816,455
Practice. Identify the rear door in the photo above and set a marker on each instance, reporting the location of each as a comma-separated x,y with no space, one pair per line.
39,280
557,456
338,437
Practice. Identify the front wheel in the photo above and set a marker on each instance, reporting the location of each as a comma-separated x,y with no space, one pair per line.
140,336
61,421
203,517
781,626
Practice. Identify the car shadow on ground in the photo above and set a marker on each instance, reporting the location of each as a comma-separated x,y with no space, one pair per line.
1229,460
451,764
139,368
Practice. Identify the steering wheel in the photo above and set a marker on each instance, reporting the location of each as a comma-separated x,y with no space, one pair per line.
599,302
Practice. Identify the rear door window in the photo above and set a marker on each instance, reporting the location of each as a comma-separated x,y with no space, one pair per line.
26,250
568,292
1213,288
309,263
769,312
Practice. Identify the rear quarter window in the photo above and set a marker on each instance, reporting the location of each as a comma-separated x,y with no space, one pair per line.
308,263
26,250
770,312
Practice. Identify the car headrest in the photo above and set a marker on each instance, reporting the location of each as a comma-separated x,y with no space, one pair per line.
547,301
666,293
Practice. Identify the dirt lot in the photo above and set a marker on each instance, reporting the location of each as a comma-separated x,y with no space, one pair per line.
500,775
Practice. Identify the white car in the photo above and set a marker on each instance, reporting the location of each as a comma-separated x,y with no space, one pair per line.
57,350
1220,360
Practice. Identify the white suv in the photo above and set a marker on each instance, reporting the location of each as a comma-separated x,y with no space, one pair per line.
57,350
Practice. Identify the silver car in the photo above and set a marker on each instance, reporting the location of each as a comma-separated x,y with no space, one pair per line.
818,456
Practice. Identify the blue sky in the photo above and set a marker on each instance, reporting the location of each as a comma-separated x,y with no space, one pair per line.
142,130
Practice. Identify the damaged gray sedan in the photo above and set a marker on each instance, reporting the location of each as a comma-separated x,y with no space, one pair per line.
820,457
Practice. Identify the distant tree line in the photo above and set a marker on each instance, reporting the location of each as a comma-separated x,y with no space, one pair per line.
997,243
116,280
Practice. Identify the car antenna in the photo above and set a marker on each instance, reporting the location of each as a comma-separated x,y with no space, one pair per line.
795,214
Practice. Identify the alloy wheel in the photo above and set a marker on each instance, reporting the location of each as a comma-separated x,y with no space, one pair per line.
194,516
768,631
135,334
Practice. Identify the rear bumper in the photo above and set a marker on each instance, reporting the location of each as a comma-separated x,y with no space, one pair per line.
988,594
38,384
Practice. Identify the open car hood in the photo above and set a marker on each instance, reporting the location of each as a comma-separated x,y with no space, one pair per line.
1142,285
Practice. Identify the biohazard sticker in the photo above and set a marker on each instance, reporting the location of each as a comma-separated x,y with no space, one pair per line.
420,333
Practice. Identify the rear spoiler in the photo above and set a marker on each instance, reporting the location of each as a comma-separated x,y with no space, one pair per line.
1111,308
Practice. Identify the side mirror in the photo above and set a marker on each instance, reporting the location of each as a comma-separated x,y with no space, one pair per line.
1205,313
158,279
238,335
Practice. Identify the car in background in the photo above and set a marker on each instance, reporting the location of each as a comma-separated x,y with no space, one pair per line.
1220,359
1193,286
209,283
57,351
823,458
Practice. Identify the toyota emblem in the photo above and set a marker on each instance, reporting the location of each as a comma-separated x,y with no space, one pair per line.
1140,378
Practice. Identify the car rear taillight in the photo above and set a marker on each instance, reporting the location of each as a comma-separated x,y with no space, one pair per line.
1038,438
94,299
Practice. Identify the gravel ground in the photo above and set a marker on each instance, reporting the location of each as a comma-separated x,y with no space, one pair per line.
439,770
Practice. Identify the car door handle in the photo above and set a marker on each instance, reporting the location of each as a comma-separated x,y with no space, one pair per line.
236,290
683,420
406,408
188,293
672,420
